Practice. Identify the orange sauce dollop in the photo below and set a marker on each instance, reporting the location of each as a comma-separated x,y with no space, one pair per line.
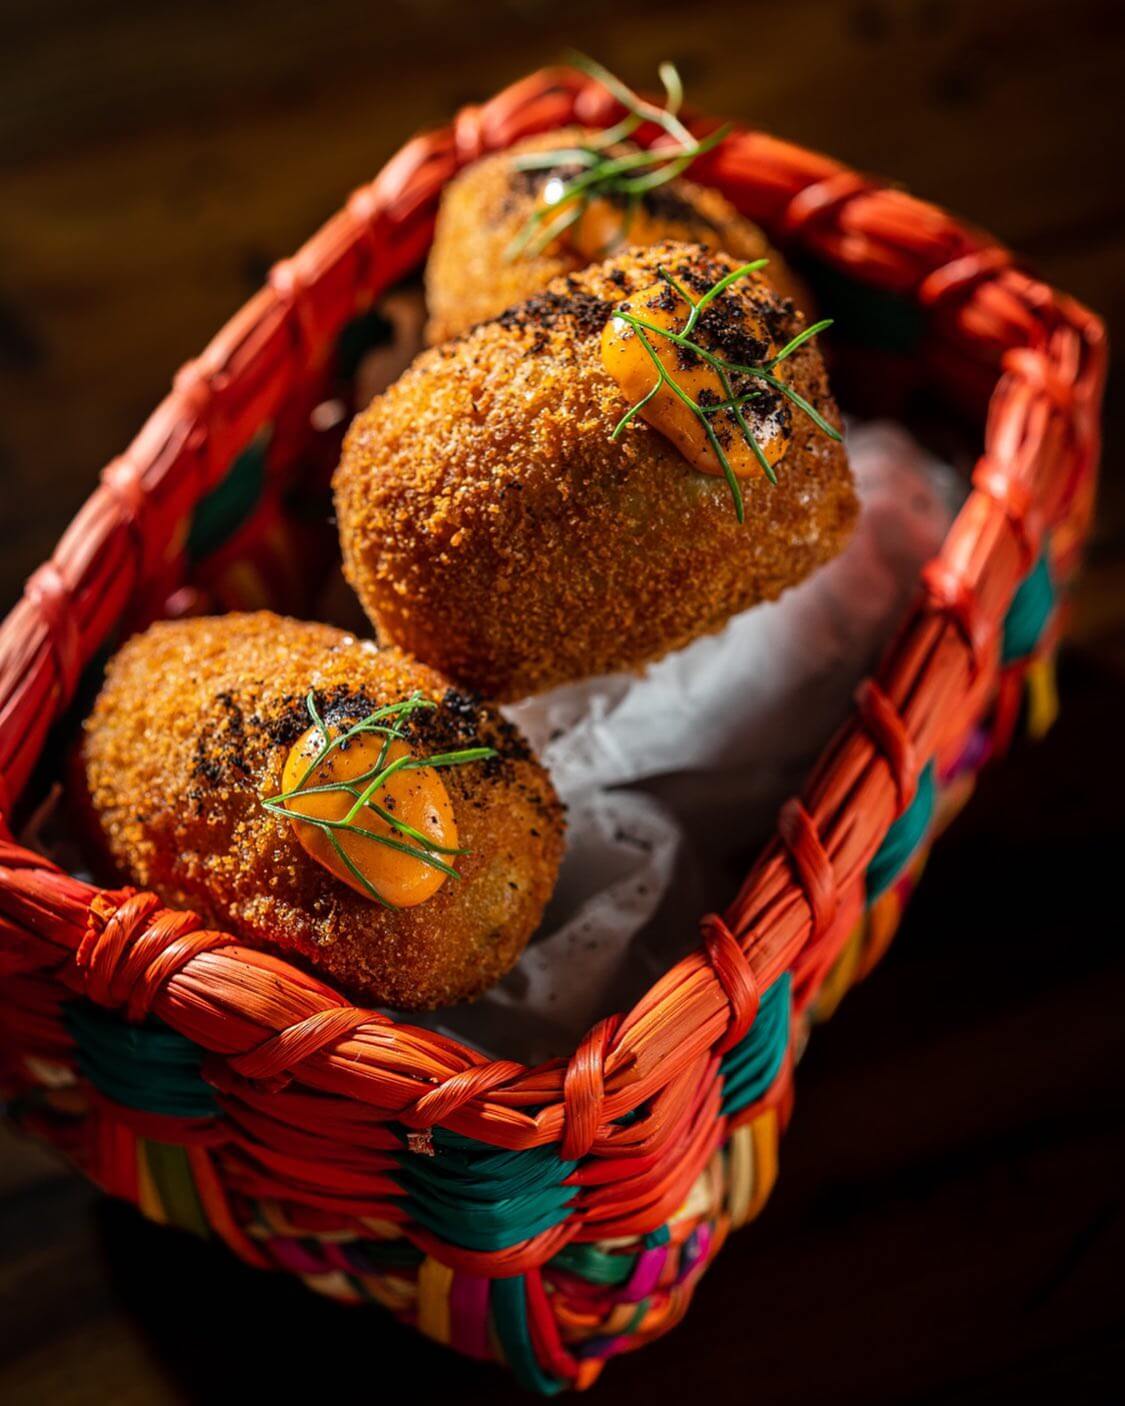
625,358
416,798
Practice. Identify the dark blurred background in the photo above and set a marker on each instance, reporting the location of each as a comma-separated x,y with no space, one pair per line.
949,1223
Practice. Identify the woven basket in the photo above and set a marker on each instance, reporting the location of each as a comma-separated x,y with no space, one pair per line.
554,1216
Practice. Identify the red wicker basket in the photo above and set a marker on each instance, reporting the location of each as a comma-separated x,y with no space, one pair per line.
550,1216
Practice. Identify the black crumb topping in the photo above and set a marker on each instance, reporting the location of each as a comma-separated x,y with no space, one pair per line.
583,311
221,747
732,327
722,327
239,742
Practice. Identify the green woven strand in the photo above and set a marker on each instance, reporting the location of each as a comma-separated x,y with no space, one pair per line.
635,1321
752,1065
366,331
175,1186
230,503
508,1298
903,838
873,317
1029,612
485,1198
147,1066
594,1265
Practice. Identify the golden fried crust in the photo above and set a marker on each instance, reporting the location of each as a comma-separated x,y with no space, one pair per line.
192,729
469,276
491,526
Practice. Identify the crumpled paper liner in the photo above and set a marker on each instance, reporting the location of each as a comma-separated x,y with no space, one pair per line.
674,777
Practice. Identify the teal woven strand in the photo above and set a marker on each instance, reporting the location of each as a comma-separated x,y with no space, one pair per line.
509,1314
148,1067
594,1265
903,838
873,317
223,511
484,1198
362,334
752,1065
1029,612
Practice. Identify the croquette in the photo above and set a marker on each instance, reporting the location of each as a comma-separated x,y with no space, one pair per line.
492,526
475,272
192,732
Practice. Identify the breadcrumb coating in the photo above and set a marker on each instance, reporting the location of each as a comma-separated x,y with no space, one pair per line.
191,731
491,526
470,277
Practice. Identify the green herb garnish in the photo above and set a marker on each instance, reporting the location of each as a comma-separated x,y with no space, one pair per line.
603,173
724,370
386,722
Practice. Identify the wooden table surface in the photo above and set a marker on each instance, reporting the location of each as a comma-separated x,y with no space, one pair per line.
949,1224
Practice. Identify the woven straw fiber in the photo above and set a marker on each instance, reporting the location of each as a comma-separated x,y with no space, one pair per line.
550,1216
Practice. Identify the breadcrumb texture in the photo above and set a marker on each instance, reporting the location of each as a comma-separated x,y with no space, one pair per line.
470,277
491,526
191,731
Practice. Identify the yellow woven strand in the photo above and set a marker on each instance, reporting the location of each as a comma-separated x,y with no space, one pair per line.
248,586
764,1132
618,1319
148,1198
882,924
335,1284
380,1229
1042,696
697,1204
740,1175
840,978
434,1283
717,1178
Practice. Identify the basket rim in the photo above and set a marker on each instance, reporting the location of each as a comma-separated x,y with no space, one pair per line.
124,949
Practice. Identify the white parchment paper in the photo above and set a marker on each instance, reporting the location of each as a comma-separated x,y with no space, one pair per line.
674,777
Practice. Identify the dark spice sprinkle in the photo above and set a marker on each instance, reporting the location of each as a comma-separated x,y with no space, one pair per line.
722,329
719,328
239,743
220,748
665,299
588,314
724,426
209,768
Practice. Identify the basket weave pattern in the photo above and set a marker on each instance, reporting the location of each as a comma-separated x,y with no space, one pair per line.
549,1216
